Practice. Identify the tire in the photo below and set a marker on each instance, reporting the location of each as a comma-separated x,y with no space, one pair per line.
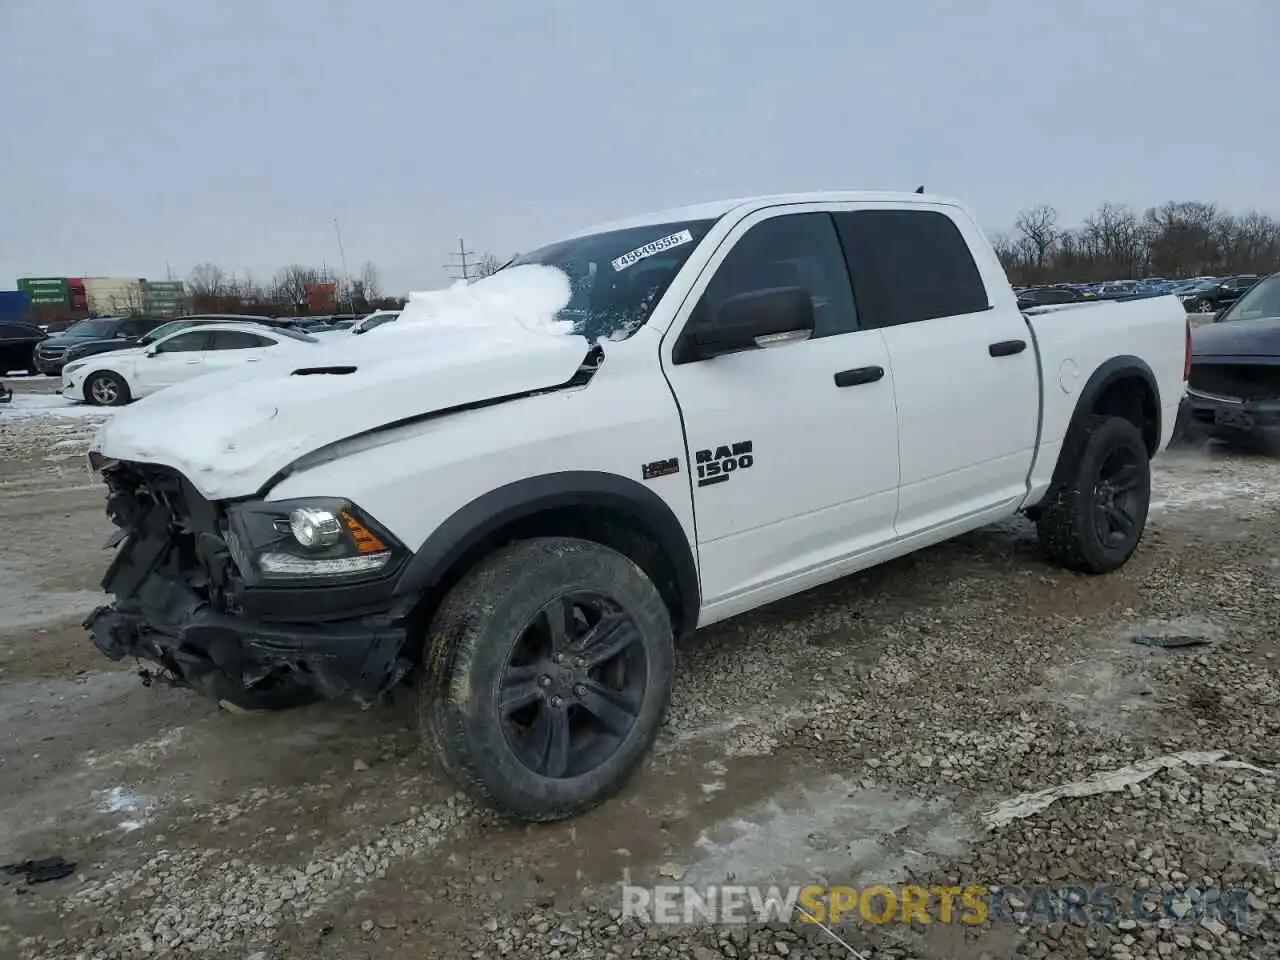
272,695
1069,524
106,389
491,640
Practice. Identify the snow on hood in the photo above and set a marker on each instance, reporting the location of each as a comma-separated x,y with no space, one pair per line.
231,432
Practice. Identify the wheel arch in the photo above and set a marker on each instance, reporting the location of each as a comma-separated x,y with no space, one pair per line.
604,507
1123,386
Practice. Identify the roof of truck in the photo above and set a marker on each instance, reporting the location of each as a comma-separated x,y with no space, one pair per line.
714,209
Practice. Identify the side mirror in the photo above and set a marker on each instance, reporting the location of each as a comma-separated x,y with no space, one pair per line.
151,351
761,318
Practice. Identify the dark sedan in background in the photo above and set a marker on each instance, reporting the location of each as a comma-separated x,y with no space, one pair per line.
18,342
1234,390
1212,295
89,337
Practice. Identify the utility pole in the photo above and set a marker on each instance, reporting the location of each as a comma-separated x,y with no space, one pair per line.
346,274
461,270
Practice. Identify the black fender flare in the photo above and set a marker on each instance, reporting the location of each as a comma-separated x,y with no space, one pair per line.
471,524
1117,368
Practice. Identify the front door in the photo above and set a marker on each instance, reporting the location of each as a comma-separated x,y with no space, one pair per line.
171,361
793,449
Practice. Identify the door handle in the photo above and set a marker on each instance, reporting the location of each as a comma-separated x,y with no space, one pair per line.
1007,348
252,359
193,361
858,375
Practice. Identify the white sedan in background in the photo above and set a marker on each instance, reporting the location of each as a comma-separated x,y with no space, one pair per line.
114,379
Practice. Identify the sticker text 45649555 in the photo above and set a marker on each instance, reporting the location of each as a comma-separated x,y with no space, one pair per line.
652,247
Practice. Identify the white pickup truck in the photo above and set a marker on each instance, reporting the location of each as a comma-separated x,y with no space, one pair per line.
520,495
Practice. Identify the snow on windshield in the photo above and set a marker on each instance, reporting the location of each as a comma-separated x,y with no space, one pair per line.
510,303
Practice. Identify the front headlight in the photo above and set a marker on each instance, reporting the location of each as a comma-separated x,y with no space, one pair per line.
73,367
311,539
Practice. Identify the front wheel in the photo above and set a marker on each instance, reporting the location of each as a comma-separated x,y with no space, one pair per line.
106,389
551,667
1097,516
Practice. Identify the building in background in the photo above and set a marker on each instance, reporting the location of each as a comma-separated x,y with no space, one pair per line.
163,298
321,297
113,296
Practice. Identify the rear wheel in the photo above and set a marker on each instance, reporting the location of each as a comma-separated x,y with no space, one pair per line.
550,670
1097,516
106,389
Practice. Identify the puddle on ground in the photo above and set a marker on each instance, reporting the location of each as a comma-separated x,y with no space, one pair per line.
830,831
1108,684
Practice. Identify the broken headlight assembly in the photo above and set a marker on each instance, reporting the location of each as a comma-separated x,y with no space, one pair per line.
313,540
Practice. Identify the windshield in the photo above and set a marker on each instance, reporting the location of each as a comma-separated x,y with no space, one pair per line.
103,327
617,278
1261,302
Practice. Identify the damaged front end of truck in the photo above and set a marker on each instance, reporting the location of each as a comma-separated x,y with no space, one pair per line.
226,597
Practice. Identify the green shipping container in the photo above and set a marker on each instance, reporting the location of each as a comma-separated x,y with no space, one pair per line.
45,290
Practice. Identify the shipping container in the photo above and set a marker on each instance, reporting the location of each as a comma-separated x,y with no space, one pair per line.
45,290
113,296
76,296
14,304
163,298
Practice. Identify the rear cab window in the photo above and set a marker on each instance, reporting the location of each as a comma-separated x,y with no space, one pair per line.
909,266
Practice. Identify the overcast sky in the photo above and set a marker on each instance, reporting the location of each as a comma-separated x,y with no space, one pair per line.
140,133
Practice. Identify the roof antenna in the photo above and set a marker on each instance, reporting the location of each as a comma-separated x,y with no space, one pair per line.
920,189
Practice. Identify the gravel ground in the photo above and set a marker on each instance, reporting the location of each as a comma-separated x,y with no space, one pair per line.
878,730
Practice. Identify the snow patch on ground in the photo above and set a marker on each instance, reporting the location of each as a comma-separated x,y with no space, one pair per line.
122,800
27,405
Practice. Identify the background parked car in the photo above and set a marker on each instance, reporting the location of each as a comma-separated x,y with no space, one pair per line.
113,333
1045,296
1215,295
1234,390
17,345
114,379
374,320
95,347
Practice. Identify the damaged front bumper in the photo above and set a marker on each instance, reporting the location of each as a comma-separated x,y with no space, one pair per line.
180,605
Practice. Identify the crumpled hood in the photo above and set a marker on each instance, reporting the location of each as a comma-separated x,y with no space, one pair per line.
1237,338
231,432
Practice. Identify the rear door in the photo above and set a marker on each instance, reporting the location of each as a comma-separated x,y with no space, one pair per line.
171,361
232,348
792,448
965,373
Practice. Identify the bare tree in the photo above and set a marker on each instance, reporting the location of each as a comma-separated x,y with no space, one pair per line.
207,281
370,283
488,265
290,285
1039,229
1176,239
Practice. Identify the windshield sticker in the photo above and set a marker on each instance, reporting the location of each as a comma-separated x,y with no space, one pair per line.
652,247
